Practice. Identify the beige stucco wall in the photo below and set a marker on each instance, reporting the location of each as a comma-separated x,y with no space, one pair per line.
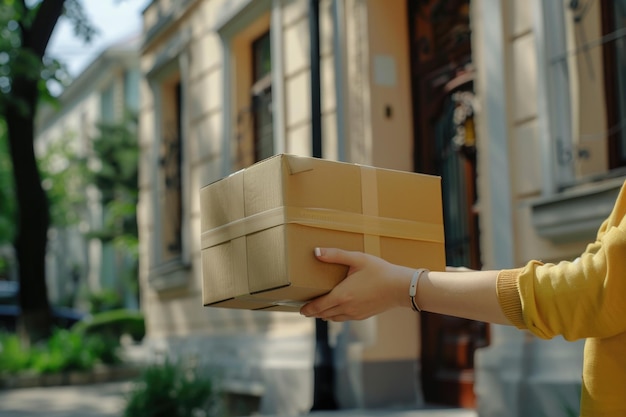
211,57
523,97
179,312
390,83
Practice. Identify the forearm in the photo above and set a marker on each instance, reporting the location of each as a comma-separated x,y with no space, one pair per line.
470,295
374,286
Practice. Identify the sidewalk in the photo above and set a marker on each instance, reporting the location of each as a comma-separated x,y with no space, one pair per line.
99,400
107,400
395,413
431,412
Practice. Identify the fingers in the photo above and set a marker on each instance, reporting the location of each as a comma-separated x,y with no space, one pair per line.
318,306
340,256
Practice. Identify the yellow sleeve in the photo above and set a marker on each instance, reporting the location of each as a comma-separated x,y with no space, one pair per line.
585,298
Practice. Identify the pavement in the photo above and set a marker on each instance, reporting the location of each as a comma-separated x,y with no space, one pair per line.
107,400
98,400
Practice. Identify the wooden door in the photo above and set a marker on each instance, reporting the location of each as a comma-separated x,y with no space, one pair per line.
445,145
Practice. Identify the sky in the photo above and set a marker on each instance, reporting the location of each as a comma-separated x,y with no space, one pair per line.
115,21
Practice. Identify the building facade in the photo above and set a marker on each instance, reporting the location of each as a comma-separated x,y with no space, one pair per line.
515,105
76,264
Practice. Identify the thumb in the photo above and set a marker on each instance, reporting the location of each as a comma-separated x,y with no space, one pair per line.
340,256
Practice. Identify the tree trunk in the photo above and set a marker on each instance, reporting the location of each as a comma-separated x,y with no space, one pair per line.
35,321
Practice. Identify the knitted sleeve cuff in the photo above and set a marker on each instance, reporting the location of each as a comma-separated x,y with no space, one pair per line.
509,296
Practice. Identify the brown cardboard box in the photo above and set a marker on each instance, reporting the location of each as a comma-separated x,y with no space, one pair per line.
260,227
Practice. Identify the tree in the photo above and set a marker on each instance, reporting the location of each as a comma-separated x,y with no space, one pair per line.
7,197
7,200
26,27
114,172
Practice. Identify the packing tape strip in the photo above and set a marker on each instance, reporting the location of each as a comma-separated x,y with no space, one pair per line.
325,219
369,207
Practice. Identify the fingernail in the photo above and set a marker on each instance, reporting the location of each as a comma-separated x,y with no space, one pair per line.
318,252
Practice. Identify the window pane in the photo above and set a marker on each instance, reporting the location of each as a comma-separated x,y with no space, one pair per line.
262,98
131,89
107,105
262,57
171,178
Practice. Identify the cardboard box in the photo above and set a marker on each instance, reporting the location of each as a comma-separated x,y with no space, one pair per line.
260,227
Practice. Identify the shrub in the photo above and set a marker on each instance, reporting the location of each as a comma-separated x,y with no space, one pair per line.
63,351
170,390
13,358
66,351
105,300
114,324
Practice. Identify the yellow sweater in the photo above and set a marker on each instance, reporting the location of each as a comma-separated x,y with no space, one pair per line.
581,299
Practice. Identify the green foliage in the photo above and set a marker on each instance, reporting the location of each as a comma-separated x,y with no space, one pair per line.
171,390
114,171
104,300
64,351
114,324
16,20
13,357
64,177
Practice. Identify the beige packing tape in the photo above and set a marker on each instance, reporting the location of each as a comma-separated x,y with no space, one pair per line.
325,219
369,206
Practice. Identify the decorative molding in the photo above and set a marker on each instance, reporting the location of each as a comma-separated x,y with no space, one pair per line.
169,276
575,214
236,15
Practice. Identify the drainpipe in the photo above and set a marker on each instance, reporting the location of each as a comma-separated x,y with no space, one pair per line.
324,375
316,106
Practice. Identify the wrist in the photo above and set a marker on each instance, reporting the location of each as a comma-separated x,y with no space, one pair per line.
404,275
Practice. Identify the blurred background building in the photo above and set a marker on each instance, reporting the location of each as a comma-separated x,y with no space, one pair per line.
80,265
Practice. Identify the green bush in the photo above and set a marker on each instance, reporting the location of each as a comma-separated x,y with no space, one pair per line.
13,358
170,390
114,324
105,300
63,351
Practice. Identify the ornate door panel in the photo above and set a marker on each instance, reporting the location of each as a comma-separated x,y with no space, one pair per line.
444,145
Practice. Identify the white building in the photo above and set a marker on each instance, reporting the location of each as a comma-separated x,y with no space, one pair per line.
109,86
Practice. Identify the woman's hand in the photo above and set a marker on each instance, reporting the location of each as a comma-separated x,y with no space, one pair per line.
374,286
371,287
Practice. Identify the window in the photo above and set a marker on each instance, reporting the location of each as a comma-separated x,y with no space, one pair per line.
249,129
170,175
261,98
131,89
107,105
614,32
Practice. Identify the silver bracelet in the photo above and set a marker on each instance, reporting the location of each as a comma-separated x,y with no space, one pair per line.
413,288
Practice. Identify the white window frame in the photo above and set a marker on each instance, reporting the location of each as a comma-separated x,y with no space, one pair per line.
553,95
235,19
171,274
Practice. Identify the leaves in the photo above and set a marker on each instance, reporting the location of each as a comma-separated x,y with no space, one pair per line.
114,171
76,14
172,390
65,180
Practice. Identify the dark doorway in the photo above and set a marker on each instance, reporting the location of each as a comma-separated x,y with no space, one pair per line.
445,138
